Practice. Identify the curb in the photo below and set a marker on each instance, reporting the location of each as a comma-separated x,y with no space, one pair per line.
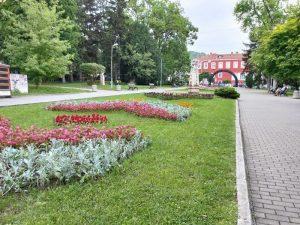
244,212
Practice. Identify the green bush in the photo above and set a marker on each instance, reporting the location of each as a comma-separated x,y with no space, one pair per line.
91,70
227,92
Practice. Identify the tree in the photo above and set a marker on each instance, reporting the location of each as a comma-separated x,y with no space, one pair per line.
258,17
170,28
70,10
141,66
138,38
249,81
209,77
33,42
226,81
92,70
278,53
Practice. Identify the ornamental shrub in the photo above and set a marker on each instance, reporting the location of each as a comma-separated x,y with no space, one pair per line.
61,162
91,70
227,92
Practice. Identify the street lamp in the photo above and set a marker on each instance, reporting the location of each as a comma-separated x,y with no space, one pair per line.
111,64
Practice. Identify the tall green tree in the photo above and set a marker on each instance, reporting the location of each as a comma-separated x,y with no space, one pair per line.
138,38
258,17
33,41
170,28
278,53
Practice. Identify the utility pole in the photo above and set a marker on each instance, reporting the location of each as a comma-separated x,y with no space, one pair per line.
161,71
111,63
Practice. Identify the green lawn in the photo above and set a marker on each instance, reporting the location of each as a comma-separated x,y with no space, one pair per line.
100,87
186,176
33,90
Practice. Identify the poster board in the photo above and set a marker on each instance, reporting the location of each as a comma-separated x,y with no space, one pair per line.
19,82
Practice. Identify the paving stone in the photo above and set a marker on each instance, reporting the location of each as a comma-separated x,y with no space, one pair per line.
271,138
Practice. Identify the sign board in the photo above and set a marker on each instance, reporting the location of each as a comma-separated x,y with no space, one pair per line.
4,81
19,82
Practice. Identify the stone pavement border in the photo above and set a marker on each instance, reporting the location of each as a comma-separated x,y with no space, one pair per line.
244,212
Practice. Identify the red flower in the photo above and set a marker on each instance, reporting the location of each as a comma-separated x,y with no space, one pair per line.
21,137
80,119
137,108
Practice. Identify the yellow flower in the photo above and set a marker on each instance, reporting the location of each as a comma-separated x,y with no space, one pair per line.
185,104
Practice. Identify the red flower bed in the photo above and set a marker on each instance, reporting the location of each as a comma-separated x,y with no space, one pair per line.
20,137
138,108
80,119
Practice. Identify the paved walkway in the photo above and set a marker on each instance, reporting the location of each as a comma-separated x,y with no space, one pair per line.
271,133
23,100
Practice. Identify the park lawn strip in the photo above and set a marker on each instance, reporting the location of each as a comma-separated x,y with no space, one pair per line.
187,176
42,90
100,87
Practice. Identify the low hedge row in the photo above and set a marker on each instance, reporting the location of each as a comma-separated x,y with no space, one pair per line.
175,96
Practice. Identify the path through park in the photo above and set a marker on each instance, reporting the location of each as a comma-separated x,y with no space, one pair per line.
23,100
271,135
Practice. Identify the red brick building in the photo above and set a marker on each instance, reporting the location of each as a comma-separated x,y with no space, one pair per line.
223,66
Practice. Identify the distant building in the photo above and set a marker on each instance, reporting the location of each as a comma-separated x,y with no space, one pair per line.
222,66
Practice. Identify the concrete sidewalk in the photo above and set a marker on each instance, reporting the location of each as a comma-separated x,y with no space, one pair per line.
24,100
271,136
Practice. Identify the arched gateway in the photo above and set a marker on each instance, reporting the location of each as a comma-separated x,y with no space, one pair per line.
230,72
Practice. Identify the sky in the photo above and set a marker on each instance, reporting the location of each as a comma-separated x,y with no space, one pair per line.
219,32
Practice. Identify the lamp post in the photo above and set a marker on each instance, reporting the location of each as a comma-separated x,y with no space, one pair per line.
111,64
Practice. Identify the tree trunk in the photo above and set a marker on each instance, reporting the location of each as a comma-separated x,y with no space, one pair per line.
80,76
269,83
72,77
64,79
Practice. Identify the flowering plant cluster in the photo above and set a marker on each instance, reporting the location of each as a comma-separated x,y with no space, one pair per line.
144,109
80,119
175,96
185,104
61,162
21,137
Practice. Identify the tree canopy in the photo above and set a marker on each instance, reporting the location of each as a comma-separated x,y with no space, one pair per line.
72,32
33,40
274,32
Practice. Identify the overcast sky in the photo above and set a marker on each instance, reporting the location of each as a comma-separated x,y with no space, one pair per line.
218,30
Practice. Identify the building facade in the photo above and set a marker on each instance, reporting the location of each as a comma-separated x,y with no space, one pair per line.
222,66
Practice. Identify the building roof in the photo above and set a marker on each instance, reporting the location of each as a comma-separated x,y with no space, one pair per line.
215,56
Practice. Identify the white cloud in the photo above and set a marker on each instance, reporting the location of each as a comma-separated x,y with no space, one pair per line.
218,30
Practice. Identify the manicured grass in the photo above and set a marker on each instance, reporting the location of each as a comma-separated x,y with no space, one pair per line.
33,90
100,87
187,176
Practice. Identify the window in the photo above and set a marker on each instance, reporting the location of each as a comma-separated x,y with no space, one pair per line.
228,65
243,76
243,64
200,66
213,65
220,65
220,75
235,64
205,65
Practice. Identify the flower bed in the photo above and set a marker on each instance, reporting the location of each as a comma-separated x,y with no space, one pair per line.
175,96
80,119
38,157
159,110
21,137
60,162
